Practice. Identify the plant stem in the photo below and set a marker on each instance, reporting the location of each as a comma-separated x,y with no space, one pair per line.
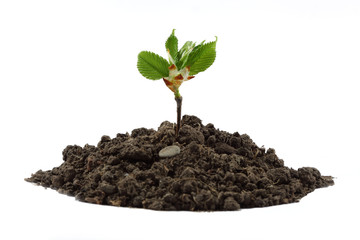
178,100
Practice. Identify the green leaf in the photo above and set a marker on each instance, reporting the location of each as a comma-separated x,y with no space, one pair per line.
172,46
194,55
183,54
152,66
202,57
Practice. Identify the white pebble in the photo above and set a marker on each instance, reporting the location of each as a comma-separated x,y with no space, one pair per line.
169,151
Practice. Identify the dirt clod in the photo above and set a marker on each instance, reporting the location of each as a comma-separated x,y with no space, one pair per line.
213,171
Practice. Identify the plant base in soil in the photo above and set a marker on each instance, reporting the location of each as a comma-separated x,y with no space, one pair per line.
215,171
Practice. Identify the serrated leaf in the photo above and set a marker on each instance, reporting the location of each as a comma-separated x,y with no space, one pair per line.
202,58
171,46
193,55
152,66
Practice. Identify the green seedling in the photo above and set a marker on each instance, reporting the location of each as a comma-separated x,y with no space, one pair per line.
183,64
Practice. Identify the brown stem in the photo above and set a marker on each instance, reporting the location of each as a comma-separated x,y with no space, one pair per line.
178,108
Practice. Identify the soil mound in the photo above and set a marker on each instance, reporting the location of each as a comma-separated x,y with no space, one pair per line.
214,171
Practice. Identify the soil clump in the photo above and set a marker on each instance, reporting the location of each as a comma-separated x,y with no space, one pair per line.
214,171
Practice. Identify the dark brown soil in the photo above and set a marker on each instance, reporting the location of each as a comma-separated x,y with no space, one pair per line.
214,171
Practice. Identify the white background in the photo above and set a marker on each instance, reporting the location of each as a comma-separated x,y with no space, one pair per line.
286,73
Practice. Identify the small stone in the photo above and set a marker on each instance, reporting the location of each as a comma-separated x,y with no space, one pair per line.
169,151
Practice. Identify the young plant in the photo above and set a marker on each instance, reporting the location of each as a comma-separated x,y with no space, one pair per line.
183,64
